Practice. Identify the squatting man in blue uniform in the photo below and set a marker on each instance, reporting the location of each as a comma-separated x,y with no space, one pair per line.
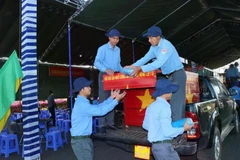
158,122
168,60
82,114
108,61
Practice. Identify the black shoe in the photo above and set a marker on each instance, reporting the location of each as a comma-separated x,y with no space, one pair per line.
112,127
102,130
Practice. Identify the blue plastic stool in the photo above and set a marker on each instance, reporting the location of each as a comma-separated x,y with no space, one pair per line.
9,144
63,115
95,125
64,139
44,112
59,123
4,131
59,116
54,140
67,116
65,129
66,125
51,129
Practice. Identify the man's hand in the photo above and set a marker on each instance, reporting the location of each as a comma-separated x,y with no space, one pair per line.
135,71
186,126
119,96
109,72
114,93
131,66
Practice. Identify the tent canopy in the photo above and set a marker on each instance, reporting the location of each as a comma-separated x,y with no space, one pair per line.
204,31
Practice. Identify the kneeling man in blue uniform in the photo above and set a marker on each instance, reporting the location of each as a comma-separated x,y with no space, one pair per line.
82,114
158,122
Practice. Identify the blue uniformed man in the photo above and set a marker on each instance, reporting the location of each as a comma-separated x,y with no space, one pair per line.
108,61
82,115
168,60
158,122
233,73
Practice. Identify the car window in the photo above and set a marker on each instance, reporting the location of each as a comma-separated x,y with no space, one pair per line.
223,89
205,93
215,86
219,88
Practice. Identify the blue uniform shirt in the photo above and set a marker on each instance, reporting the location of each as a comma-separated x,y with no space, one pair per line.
158,121
83,112
166,55
108,58
233,72
237,96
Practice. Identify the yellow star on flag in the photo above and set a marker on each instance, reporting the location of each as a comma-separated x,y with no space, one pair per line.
146,99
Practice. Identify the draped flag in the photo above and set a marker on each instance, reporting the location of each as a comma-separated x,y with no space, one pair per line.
31,137
10,80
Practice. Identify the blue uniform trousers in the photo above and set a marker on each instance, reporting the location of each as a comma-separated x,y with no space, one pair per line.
83,148
164,151
178,100
108,119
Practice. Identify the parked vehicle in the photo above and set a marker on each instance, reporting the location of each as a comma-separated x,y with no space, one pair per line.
216,114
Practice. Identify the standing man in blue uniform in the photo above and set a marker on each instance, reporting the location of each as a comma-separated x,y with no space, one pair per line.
108,61
235,74
158,122
82,115
168,60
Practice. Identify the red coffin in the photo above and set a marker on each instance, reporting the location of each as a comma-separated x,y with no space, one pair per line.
121,81
139,90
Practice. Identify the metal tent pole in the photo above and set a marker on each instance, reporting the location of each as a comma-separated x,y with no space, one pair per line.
128,14
70,19
70,63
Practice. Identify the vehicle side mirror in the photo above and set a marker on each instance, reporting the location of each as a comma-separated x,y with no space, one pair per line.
233,92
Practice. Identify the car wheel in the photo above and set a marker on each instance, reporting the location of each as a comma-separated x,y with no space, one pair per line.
215,152
236,123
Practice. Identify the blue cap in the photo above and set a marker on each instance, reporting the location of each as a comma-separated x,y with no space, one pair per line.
114,32
153,31
164,86
80,83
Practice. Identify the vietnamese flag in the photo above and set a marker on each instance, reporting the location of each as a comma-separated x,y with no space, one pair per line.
135,104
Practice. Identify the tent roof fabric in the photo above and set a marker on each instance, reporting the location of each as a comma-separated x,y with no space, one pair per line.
206,32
